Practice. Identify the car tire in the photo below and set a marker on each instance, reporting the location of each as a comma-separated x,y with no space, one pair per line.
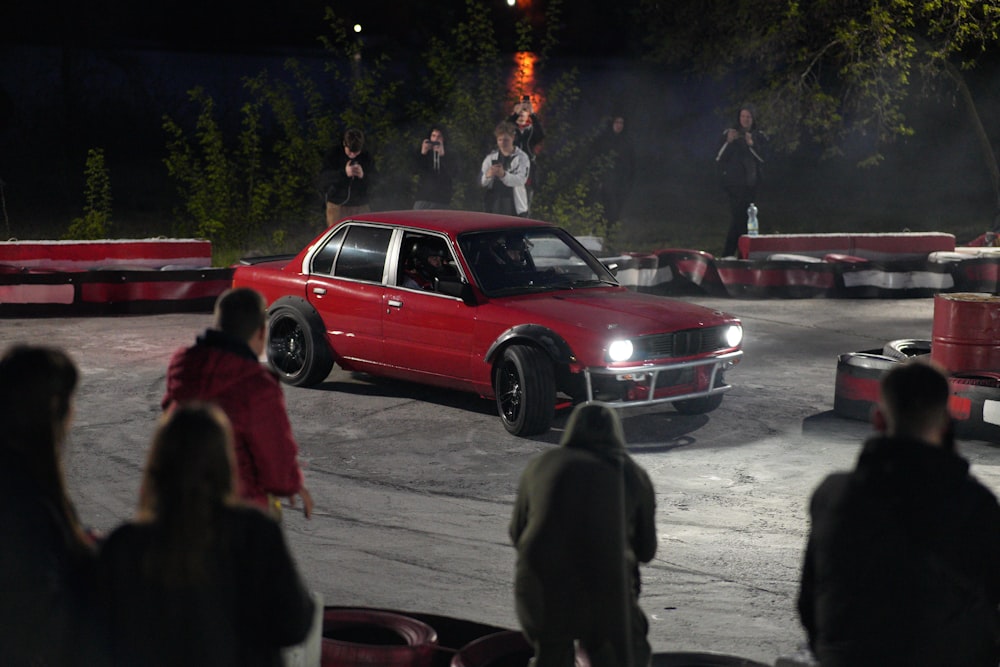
906,348
296,349
856,388
703,404
525,387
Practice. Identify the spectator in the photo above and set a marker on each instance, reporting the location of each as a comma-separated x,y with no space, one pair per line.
348,175
47,560
223,367
434,173
529,134
741,168
504,174
615,148
582,522
901,562
199,579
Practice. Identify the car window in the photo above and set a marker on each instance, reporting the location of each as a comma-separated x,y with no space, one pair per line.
422,257
363,252
323,260
520,260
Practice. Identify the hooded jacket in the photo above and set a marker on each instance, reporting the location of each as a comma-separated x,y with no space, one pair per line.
901,562
577,549
222,369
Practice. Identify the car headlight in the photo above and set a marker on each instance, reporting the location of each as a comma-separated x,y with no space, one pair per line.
734,335
620,350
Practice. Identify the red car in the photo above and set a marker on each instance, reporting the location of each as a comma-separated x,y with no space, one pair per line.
509,308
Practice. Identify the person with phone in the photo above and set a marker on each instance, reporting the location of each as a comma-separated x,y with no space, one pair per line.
435,169
348,177
528,136
504,174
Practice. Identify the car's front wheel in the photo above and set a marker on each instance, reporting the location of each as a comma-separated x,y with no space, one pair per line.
296,348
525,388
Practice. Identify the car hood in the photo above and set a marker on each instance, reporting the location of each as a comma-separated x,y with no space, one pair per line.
631,313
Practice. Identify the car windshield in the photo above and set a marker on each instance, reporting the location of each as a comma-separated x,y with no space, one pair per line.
525,260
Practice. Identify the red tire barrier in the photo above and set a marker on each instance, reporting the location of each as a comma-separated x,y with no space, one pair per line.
681,659
975,405
508,648
353,637
857,386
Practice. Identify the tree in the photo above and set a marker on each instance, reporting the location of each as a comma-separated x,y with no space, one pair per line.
832,70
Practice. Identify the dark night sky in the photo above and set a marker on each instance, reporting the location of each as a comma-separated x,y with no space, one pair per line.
587,27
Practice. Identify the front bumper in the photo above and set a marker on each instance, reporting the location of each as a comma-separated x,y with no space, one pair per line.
663,383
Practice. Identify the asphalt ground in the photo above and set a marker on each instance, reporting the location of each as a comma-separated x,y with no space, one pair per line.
414,486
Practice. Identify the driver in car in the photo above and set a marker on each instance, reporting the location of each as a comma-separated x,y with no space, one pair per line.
426,264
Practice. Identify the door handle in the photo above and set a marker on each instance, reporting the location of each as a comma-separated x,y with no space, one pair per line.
319,290
395,303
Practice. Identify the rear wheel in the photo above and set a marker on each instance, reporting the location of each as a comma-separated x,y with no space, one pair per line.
525,387
296,348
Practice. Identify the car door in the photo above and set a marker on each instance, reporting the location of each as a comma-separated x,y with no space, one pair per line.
427,336
346,288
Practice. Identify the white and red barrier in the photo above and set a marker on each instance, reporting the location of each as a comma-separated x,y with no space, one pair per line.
109,276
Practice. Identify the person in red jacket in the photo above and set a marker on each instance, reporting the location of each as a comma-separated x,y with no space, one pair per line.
223,367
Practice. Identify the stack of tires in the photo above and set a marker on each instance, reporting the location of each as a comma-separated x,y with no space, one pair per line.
975,394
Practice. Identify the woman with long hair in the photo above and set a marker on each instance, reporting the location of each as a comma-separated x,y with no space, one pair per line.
198,578
46,558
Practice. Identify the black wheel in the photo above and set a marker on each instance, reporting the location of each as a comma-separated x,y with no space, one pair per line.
525,387
296,348
703,404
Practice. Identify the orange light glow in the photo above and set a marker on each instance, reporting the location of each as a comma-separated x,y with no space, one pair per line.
523,81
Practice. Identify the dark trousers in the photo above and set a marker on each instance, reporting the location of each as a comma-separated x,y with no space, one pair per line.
739,202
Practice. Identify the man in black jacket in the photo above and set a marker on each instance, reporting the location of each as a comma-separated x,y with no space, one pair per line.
901,566
348,175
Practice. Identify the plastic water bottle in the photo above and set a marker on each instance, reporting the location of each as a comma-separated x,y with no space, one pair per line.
753,228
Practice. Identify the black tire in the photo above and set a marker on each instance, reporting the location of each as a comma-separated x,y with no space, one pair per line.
703,404
857,384
296,348
525,387
906,348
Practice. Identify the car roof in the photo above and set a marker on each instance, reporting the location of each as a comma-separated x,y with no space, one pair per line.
451,222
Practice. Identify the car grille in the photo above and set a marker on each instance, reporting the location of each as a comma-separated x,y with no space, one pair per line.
680,343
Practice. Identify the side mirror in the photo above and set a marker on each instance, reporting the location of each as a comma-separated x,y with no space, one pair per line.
613,268
454,286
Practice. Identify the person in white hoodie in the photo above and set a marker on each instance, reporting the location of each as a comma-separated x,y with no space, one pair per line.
504,174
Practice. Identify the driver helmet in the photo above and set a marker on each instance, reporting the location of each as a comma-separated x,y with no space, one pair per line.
425,249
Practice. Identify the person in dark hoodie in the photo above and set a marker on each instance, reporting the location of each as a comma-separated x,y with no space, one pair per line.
740,162
583,520
223,367
435,169
615,184
900,566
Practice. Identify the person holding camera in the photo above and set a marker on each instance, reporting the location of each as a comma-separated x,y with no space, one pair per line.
348,176
528,136
740,165
434,169
504,174
529,133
